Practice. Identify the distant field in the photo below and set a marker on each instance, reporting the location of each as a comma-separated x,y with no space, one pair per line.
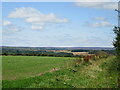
18,67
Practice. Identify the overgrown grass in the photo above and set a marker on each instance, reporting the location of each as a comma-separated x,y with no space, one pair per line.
101,73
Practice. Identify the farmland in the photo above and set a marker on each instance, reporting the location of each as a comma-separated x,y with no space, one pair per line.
22,72
60,44
16,67
58,68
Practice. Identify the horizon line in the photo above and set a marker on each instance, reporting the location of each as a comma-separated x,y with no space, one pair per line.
62,46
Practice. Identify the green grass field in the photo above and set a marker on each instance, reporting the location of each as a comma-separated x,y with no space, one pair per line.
17,67
101,73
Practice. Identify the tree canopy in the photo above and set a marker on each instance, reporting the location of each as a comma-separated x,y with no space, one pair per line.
116,42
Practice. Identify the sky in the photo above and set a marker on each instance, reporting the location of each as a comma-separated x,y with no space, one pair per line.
58,24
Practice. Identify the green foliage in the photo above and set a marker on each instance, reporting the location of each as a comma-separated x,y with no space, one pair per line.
116,44
45,51
24,52
94,51
96,74
102,54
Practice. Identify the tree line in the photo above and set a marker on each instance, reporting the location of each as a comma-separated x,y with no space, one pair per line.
24,52
95,51
10,51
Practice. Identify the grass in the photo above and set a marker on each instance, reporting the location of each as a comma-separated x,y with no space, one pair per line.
101,73
18,67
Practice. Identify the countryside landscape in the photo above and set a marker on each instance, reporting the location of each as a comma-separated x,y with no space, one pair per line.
60,45
25,67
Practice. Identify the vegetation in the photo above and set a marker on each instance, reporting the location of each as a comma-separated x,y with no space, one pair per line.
17,67
25,68
42,52
94,51
116,44
101,73
14,52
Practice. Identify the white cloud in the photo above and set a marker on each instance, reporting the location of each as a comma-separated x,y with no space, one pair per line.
34,16
35,27
6,23
99,18
9,27
100,24
98,5
15,28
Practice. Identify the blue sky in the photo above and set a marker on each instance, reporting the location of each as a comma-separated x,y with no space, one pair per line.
58,24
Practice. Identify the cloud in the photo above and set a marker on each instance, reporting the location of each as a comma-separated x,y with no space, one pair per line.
15,28
99,18
100,24
9,27
57,40
98,4
37,19
6,23
37,27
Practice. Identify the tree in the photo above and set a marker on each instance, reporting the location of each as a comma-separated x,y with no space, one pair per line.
116,42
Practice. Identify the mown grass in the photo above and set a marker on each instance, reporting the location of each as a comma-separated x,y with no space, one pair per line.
18,67
101,73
